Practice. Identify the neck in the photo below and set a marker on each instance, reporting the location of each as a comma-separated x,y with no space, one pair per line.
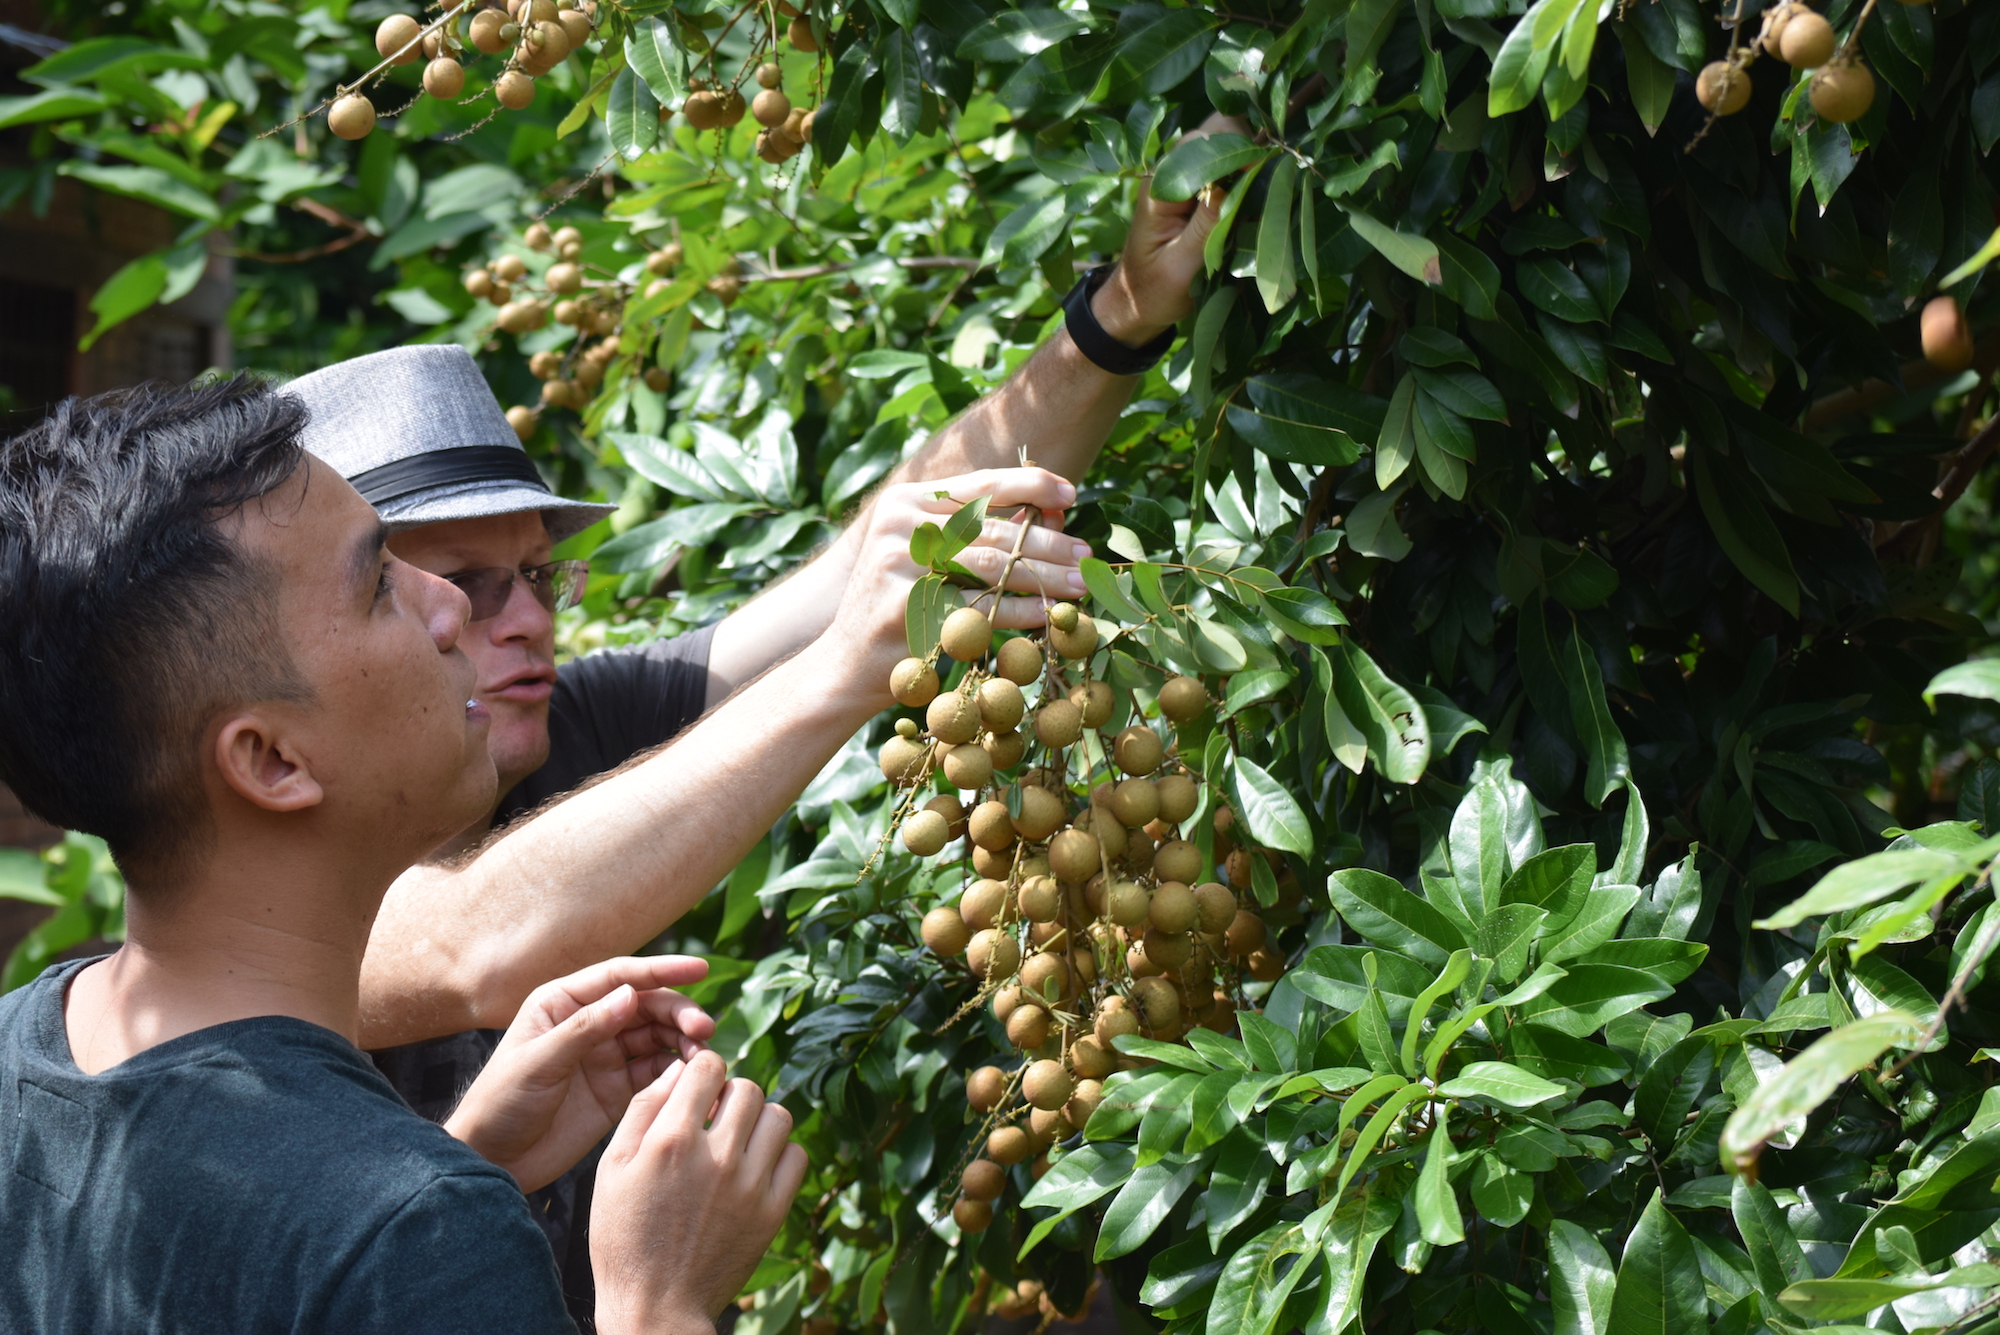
251,936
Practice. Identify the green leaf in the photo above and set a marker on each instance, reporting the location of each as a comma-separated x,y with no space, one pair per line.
1978,679
1143,1203
1775,1254
1466,393
1194,163
1857,884
1745,530
1387,715
1808,1080
1669,1088
1256,1280
1660,1289
1827,1300
147,183
1500,1082
1014,33
1649,79
1437,1205
51,104
1581,1281
1554,287
1358,1224
1277,280
1371,1134
651,53
1454,973
964,527
1103,585
1384,912
1470,278
136,286
1521,61
1269,810
1610,766
1242,1173
1336,976
1557,880
932,599
1501,1194
1415,255
633,115
1029,230
1604,909
1307,615
1396,447
1506,934
903,96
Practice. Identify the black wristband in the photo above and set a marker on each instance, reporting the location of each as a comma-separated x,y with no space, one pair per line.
1095,343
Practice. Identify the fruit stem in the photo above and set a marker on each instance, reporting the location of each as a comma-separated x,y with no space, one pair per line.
1007,571
1846,54
342,90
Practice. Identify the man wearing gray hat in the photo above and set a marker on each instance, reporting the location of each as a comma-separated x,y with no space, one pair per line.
460,942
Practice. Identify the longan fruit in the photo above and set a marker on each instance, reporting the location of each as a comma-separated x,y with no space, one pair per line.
945,932
524,420
1028,1027
725,288
478,283
510,268
770,107
925,833
1239,865
972,1216
1050,936
993,954
703,110
1019,661
395,33
1139,850
1047,1085
1216,907
664,260
545,365
1094,700
991,826
1174,909
1107,831
1127,903
564,277
1083,965
966,635
1178,797
444,79
1221,1014
967,767
980,905
1038,899
1044,975
903,760
996,862
1008,1145
985,1087
518,317
913,682
657,379
1158,1003
1138,750
514,90
1074,856
1178,860
1085,1101
1182,699
1135,802
1006,748
1723,88
1000,704
566,236
800,35
1005,1002
1088,1058
1245,933
569,313
352,117
576,26
1806,42
769,75
1058,724
1062,616
1169,950
953,812
1947,341
983,1180
486,38
953,718
1115,1019
1265,966
1078,643
1048,1125
1042,813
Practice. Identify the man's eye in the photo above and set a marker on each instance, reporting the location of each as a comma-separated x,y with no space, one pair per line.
383,584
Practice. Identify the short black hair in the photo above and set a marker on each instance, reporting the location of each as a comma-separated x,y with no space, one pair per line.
128,619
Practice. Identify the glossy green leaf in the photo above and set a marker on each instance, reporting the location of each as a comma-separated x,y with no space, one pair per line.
1277,277
1581,1280
1143,1202
1269,811
633,115
1383,911
1415,255
1502,1083
1437,1205
1660,1289
1808,1080
1388,716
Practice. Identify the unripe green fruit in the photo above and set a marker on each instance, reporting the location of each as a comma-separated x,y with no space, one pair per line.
1047,1085
1020,661
1058,724
985,1087
1138,750
1000,704
1216,905
953,718
925,833
967,634
1094,700
980,905
907,727
1178,797
1182,699
945,932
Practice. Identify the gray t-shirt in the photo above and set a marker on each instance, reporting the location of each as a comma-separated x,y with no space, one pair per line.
256,1176
607,708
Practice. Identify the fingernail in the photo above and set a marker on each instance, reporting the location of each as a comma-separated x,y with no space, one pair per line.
1075,581
1067,491
1080,550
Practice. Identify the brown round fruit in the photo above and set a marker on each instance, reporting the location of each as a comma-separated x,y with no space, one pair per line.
985,1087
486,38
1169,950
1114,1022
952,811
732,106
514,90
1182,698
1000,704
1127,903
1047,1085
800,35
1238,865
1062,616
1138,750
1106,831
770,107
1038,898
1174,908
352,117
1723,88
769,75
1078,643
479,283
993,954
967,767
925,833
1006,748
1135,802
945,932
1045,976
1265,966
444,79
913,682
1089,1059
1095,700
395,33
1178,797
1009,1145
1216,906
972,1216
903,760
991,826
1042,814
992,862
1178,860
1947,340
1842,93
981,903
967,634
1245,933
1058,724
563,278
1158,1002
953,718
576,26
1028,1027
983,1180
1806,41
1089,1094
510,268
1074,856
524,420
1019,661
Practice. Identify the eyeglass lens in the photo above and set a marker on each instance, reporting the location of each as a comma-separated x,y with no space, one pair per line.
557,585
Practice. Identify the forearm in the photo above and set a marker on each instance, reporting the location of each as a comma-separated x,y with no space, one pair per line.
604,871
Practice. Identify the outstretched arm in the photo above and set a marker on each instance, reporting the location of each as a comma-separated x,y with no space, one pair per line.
1056,412
460,947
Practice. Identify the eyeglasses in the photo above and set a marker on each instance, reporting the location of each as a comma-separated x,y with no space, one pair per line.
557,585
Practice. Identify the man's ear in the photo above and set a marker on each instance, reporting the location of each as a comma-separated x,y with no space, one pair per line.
262,767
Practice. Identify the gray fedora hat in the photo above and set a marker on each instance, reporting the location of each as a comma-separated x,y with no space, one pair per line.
422,438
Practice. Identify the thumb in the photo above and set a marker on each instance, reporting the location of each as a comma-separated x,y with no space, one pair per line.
1201,222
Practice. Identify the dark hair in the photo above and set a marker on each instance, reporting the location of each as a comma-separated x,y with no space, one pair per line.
128,620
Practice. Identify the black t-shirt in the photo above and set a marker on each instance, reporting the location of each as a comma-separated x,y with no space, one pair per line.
607,707
256,1176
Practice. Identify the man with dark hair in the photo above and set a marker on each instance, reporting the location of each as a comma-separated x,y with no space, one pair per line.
209,657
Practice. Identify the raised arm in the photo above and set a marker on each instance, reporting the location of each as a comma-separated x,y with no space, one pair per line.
1057,410
461,946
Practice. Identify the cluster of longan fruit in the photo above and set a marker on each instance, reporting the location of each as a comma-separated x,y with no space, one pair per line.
714,104
1089,919
1841,89
537,34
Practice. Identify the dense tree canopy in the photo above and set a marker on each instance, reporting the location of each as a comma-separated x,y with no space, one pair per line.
1551,490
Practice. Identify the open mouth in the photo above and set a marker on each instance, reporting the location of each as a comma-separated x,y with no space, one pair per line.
527,688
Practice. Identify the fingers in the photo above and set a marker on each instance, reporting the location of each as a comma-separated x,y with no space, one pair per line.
1022,613
737,1115
643,1112
766,1145
701,1080
637,972
787,1178
1003,486
674,1011
1037,577
1043,544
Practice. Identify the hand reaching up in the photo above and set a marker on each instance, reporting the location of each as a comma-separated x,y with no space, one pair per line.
576,1054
